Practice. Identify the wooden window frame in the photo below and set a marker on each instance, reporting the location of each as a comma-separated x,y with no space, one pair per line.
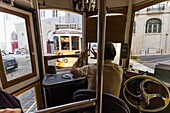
4,81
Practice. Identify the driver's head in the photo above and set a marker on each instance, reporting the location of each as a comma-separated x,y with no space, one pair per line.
110,51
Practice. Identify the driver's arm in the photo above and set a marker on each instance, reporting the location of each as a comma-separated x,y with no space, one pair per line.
75,70
76,67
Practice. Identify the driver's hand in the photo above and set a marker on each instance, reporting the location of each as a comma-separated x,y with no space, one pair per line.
84,54
94,54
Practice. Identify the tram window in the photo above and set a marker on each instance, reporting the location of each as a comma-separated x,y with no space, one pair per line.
65,45
59,27
65,33
117,57
56,42
75,42
28,100
149,50
14,46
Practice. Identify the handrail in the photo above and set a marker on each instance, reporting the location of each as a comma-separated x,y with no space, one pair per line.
69,107
101,31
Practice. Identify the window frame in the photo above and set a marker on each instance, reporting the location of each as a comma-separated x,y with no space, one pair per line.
134,27
4,82
54,13
156,7
42,13
78,42
150,27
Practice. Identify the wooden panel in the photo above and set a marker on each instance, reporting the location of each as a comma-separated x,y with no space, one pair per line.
115,29
67,4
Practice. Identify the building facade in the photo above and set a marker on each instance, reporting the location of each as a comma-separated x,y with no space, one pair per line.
12,30
151,33
53,19
15,36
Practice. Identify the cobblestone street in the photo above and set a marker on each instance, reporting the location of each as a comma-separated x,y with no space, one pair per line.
24,67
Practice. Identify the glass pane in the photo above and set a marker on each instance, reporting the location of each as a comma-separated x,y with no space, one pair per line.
14,46
57,36
94,46
153,21
155,28
56,43
65,43
64,21
162,7
159,28
149,9
155,7
149,28
28,100
75,42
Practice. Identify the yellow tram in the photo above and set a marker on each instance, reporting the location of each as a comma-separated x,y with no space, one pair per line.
66,42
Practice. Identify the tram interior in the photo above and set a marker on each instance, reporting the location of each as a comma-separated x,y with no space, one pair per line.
141,91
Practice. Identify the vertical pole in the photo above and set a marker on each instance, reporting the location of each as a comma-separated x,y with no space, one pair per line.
39,45
84,40
84,31
127,29
100,57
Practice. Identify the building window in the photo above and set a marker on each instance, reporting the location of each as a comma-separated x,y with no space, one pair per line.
42,14
8,17
134,27
157,7
55,13
153,25
14,36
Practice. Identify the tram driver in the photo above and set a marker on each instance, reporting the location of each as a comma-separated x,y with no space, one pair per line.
112,73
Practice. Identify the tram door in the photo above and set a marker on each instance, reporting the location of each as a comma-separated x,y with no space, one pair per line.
19,73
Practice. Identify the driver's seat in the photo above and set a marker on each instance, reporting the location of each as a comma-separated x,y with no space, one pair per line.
111,104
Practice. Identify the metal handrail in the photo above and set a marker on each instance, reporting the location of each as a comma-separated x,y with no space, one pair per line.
69,107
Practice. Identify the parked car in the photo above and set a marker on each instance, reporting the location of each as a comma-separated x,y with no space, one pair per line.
9,61
21,51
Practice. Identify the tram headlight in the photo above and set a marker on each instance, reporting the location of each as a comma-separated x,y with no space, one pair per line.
60,53
65,60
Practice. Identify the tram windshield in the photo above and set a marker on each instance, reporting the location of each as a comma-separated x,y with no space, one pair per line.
62,35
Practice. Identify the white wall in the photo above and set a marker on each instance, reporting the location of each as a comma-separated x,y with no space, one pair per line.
158,41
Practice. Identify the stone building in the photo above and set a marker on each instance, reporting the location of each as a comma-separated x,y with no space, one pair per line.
50,19
151,33
16,33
